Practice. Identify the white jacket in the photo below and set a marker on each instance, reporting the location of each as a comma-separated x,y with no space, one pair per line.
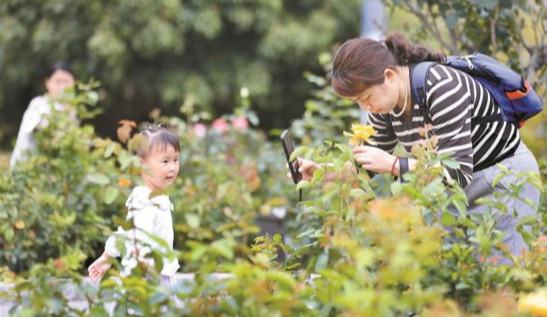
34,117
153,216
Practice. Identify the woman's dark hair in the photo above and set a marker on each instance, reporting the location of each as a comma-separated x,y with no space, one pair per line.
153,136
59,66
360,63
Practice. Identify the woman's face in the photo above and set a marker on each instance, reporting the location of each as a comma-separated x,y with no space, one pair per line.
58,82
381,98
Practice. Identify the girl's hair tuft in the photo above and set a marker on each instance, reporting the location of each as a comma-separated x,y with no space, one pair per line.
153,137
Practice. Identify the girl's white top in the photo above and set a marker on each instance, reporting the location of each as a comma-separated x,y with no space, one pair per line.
33,118
151,217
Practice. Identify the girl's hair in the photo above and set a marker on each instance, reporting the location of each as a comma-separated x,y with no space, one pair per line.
153,136
360,63
59,66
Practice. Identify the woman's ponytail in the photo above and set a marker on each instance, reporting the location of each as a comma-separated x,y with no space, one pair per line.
407,53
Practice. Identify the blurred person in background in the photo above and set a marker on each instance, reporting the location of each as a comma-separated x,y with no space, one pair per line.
58,78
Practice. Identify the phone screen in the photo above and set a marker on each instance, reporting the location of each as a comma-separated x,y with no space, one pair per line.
288,147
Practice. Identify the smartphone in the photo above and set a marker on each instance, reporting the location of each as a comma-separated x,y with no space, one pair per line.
288,147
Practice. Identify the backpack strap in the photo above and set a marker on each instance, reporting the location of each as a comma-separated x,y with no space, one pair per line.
418,75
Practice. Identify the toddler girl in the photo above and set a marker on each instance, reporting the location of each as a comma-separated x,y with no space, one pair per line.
148,208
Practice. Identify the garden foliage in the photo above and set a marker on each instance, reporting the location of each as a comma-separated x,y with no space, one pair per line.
355,246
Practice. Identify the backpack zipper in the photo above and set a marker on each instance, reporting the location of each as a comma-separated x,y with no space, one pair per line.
467,59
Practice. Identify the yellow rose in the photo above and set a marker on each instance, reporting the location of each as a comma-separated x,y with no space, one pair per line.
534,303
361,134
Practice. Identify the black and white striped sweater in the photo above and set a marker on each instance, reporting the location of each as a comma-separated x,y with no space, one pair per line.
453,99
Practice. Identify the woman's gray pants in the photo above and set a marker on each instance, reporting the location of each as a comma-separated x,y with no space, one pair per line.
481,187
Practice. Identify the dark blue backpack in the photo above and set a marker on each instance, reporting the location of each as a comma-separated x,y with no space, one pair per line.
517,99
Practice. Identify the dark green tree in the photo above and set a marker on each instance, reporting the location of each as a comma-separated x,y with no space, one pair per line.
512,31
163,53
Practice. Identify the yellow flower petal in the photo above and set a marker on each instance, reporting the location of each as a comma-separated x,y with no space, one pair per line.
19,224
354,141
361,133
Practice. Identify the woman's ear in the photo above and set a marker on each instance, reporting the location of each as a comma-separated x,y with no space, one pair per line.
390,74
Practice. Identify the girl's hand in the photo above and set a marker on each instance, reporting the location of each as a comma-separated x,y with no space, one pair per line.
373,159
306,168
99,267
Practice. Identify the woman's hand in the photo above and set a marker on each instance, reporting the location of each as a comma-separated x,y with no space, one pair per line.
373,159
99,267
306,168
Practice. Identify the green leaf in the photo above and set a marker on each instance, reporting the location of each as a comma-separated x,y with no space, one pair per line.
224,247
447,219
283,279
122,222
124,159
109,150
530,202
451,164
434,187
303,185
357,192
299,151
9,234
497,179
364,257
198,250
306,233
192,220
322,261
347,154
483,201
503,168
396,188
98,178
160,241
528,220
93,97
319,174
460,206
98,311
110,194
158,261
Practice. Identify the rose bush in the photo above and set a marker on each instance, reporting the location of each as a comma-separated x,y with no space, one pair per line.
355,246
75,185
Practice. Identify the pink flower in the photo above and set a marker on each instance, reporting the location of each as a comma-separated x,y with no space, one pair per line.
220,125
240,123
199,130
